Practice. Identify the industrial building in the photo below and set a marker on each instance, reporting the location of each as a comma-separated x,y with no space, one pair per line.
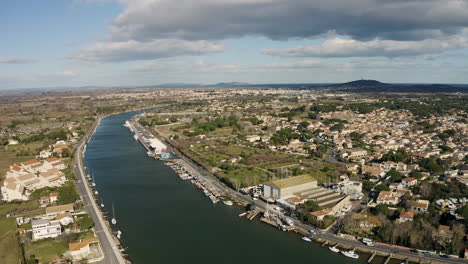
284,188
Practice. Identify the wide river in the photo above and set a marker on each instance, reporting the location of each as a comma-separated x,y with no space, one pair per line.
165,220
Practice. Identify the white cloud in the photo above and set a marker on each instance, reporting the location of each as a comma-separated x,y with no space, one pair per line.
135,50
16,60
145,20
339,47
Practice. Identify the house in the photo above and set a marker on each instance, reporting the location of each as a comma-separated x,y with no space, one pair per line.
252,138
351,188
352,167
45,228
285,188
373,171
54,163
25,177
356,153
420,206
320,215
65,219
389,198
409,182
54,211
13,142
44,201
406,216
53,197
81,250
13,190
19,221
396,186
44,154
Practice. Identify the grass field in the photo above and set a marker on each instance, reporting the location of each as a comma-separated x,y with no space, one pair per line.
10,252
45,250
23,208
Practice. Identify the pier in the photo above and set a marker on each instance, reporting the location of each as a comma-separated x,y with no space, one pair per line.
372,257
388,258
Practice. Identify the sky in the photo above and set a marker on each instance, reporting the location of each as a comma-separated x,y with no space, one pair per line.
57,43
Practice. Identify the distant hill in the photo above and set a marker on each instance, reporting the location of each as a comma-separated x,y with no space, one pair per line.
373,86
363,83
231,84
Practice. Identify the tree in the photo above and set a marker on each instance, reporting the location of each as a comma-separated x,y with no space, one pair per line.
312,206
415,174
381,187
85,222
394,175
380,209
367,186
328,220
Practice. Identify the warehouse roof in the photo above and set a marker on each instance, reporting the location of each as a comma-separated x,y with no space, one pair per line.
293,181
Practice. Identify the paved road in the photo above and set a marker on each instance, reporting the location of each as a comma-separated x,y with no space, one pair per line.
111,253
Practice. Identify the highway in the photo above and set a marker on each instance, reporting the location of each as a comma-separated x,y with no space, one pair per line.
108,247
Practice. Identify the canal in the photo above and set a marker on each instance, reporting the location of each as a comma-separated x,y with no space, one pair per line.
166,220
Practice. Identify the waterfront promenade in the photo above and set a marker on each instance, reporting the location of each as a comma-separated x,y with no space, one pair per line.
107,243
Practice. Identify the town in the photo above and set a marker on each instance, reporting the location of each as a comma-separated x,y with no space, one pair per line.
384,170
387,170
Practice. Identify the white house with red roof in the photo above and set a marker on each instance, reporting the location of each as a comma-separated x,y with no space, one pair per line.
409,182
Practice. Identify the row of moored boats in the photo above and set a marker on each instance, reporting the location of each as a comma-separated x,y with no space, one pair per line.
203,185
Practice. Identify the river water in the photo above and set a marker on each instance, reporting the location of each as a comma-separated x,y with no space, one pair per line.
165,220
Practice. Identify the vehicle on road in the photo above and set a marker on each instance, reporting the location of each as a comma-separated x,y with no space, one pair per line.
368,242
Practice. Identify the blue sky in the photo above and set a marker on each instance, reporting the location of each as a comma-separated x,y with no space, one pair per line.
140,42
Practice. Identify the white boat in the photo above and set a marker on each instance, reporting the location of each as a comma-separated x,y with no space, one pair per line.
334,249
242,214
113,221
350,254
306,239
96,192
228,203
102,203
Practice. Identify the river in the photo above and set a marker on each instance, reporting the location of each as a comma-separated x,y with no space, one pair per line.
165,220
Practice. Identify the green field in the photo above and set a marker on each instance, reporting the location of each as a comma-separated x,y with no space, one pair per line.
20,208
10,252
45,250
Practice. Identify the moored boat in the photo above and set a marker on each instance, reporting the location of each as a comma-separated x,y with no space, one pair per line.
334,249
229,203
242,215
350,254
306,239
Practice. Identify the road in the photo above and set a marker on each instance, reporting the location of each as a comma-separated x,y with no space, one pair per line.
110,250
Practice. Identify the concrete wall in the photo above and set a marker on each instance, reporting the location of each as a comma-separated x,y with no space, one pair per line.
335,209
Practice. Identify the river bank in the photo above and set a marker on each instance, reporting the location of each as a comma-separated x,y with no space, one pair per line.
164,219
389,253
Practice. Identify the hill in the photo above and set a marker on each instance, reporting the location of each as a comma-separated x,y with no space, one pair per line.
373,86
